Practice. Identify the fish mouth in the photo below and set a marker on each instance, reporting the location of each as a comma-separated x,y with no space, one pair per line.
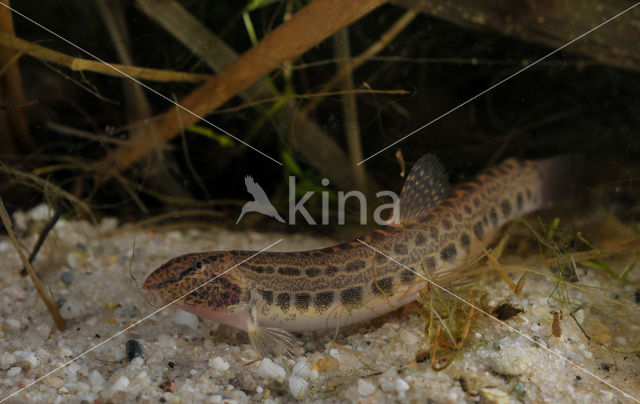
155,298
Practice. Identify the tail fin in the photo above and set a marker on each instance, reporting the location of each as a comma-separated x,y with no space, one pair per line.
563,179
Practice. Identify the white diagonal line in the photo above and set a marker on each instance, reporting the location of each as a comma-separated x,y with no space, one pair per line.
504,323
134,324
139,82
500,82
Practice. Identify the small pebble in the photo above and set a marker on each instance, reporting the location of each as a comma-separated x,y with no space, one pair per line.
410,338
43,330
365,388
14,324
268,369
75,259
67,277
134,349
387,386
492,395
302,369
218,364
166,342
55,382
298,387
41,212
511,361
121,384
222,398
96,379
186,318
27,360
401,385
16,294
7,360
14,371
82,387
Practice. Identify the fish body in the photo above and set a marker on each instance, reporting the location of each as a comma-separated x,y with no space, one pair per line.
322,289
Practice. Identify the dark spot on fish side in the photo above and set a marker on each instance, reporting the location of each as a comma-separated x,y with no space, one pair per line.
407,276
268,269
520,201
289,271
331,270
505,205
478,230
351,297
400,248
467,209
257,269
267,295
433,230
420,239
457,216
476,202
430,263
493,215
302,302
354,266
382,286
312,272
465,241
283,300
449,253
446,224
528,191
323,301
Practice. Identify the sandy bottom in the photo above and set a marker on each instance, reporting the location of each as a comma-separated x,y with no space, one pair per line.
178,358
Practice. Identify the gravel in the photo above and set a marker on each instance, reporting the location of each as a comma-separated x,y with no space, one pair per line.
370,362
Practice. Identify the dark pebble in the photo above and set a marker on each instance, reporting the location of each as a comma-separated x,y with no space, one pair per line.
134,349
67,277
171,364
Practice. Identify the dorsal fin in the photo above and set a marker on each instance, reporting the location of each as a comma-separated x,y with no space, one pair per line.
427,185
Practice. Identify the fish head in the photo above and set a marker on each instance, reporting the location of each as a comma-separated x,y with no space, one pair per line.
202,283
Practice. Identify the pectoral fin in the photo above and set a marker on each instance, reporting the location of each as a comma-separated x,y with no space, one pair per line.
270,342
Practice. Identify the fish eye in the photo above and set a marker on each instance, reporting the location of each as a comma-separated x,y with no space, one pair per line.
199,265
